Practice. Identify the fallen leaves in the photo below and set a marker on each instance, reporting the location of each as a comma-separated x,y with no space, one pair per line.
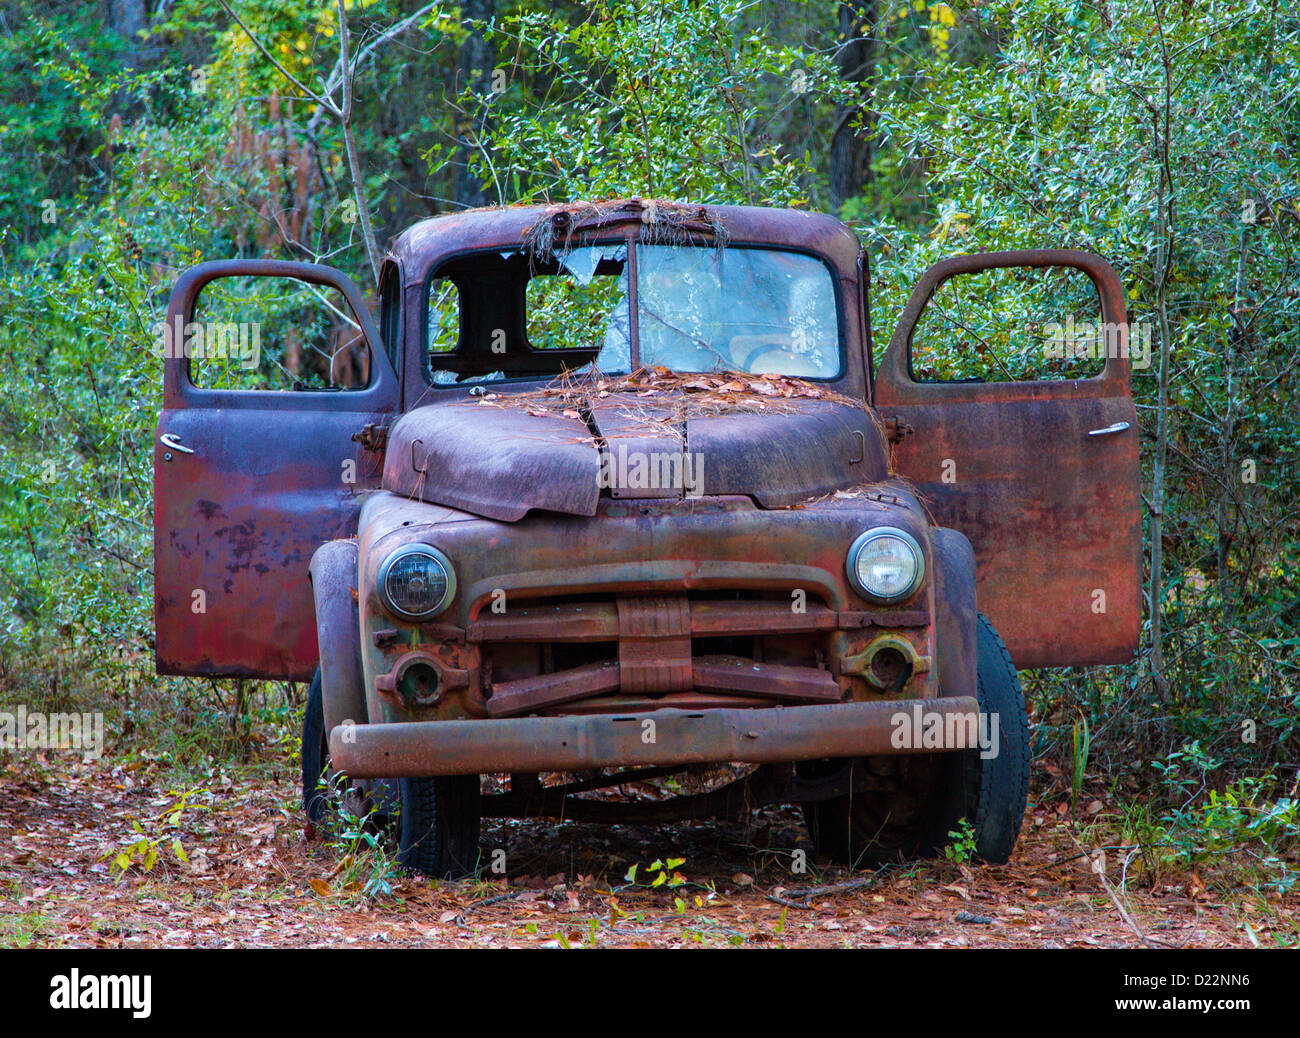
252,880
686,395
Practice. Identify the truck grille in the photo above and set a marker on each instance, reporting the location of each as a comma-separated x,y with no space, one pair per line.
595,653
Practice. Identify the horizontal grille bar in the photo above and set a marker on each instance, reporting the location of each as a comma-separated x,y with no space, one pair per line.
598,621
727,674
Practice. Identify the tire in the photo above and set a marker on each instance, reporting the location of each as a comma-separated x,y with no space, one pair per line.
315,755
906,806
1001,784
438,825
374,802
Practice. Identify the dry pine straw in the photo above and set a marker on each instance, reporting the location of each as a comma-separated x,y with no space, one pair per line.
661,397
661,400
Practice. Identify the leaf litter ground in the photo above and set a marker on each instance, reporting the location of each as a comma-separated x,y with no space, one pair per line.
252,878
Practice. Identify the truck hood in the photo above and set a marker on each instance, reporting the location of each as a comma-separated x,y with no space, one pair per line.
501,456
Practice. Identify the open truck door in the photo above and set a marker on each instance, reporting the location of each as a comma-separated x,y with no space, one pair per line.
1041,474
248,482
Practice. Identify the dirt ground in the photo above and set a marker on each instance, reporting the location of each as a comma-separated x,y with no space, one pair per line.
243,873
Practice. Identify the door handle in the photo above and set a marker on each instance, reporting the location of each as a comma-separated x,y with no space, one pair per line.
173,442
1118,427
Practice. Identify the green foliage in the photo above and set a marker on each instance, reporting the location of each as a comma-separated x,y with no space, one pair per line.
79,392
1139,132
1245,813
649,99
1203,823
962,848
161,840
51,132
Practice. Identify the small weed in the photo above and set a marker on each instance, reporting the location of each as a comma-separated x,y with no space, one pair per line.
1081,746
663,872
160,840
23,931
367,865
962,848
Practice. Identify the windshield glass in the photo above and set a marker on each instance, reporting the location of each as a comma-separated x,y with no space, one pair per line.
756,310
753,310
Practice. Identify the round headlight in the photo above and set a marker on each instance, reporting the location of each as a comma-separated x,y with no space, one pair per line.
416,582
886,564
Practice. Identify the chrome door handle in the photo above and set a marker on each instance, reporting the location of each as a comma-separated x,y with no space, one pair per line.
1116,428
172,442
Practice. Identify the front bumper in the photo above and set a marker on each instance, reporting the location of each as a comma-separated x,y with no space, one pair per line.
573,743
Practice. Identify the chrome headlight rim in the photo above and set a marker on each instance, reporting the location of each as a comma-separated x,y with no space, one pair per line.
865,538
402,552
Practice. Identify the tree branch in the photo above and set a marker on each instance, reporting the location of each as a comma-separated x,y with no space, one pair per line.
324,102
350,146
343,113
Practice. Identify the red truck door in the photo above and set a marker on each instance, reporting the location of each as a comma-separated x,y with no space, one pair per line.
1040,475
249,482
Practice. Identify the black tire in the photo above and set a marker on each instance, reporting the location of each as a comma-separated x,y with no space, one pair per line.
906,806
315,754
1001,784
438,825
375,802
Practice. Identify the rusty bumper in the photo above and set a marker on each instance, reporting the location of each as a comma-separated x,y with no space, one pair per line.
529,744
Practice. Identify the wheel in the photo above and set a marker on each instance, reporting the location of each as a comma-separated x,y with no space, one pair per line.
373,801
906,806
315,754
1001,784
438,825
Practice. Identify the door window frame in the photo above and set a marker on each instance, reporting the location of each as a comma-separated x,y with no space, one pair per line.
179,390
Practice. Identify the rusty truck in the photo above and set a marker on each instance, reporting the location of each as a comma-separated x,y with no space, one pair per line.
607,492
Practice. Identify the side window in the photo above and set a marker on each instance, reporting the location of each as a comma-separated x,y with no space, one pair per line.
273,333
444,315
1015,324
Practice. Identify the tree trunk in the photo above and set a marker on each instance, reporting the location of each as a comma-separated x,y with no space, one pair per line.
350,147
1166,193
476,58
850,165
1226,510
127,19
1160,465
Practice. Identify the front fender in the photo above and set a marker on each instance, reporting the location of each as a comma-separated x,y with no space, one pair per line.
955,610
333,573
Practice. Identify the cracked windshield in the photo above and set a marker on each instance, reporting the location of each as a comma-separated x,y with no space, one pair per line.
761,311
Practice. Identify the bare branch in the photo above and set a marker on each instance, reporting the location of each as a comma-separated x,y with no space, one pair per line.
343,113
350,145
324,102
335,79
